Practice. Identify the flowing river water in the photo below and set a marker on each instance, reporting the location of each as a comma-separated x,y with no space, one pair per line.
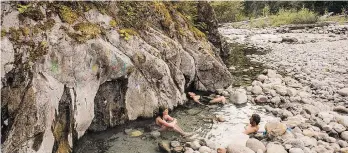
191,118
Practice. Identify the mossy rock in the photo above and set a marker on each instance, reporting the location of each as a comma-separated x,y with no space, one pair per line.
86,31
197,33
32,13
127,33
113,23
15,34
67,14
38,51
3,32
162,9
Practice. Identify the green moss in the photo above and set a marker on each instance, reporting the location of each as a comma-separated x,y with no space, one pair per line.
38,51
197,33
162,9
113,23
127,33
32,13
67,14
22,8
25,31
129,14
49,24
15,34
86,31
3,32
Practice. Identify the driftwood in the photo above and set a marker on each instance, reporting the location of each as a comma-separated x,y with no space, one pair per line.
304,26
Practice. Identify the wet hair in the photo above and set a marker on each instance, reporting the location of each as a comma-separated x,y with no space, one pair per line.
160,112
256,118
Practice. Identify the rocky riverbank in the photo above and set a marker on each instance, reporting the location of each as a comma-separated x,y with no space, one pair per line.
311,94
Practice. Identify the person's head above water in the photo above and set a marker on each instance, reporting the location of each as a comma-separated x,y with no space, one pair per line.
162,111
255,119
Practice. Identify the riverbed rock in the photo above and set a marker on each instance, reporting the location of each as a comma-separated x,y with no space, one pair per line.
255,145
342,143
275,128
188,150
175,143
282,90
343,92
220,118
262,77
310,109
275,99
341,109
295,143
239,96
271,73
257,90
234,148
344,150
204,149
342,120
195,145
136,133
291,92
294,121
326,116
309,142
178,149
273,93
344,135
327,127
275,148
212,145
261,99
164,146
296,150
309,133
155,134
339,128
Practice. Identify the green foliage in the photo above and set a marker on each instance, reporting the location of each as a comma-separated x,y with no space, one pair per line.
188,9
304,16
127,33
266,11
336,18
228,11
259,23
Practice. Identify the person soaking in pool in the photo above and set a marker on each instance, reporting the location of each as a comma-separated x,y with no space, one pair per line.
217,99
253,127
168,123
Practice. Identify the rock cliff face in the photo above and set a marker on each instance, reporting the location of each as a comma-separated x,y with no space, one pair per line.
75,66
